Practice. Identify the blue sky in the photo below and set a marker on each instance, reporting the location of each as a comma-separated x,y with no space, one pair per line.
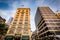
8,7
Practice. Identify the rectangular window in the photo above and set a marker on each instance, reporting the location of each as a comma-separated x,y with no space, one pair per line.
26,10
25,32
20,22
14,22
21,19
13,27
26,22
18,30
11,31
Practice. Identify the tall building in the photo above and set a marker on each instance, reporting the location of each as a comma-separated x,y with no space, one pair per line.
10,20
47,22
58,15
20,26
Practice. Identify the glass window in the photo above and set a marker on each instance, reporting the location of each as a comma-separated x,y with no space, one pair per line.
26,19
14,22
16,17
20,22
22,15
25,25
26,10
26,14
58,28
26,22
11,31
19,27
22,10
17,13
25,32
57,33
18,30
13,27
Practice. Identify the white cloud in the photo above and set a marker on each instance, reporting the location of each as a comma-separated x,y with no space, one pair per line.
39,2
6,14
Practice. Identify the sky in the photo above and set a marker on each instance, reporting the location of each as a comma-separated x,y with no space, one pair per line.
8,8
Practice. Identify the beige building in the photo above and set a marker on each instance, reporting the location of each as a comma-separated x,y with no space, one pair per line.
47,23
20,26
58,15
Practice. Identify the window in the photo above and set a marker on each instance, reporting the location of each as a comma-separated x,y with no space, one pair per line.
25,25
22,15
57,32
26,10
11,31
14,22
17,13
16,17
18,30
57,28
53,20
26,28
26,19
26,14
26,22
21,19
13,27
22,10
20,22
19,27
25,32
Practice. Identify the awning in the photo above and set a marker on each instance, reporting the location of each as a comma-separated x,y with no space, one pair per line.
25,37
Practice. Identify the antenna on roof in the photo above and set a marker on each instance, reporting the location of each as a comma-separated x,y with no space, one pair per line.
22,6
